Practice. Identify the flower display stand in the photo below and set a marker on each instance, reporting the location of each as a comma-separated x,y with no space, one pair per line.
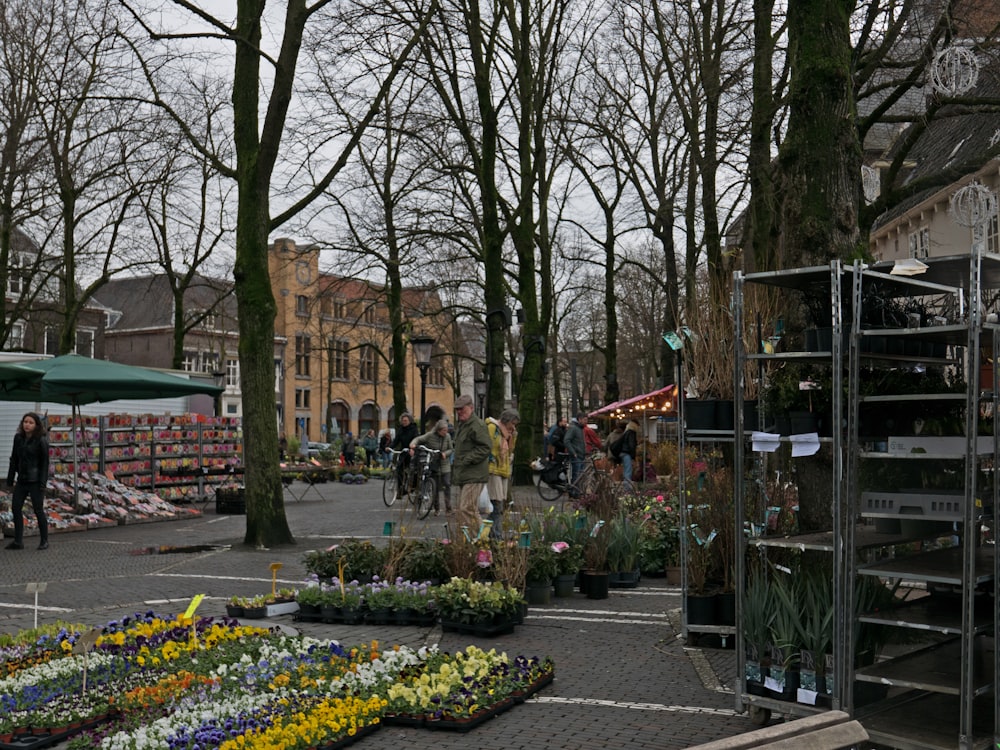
281,608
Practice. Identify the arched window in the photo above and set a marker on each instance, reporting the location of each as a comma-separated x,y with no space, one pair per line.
338,420
391,418
368,418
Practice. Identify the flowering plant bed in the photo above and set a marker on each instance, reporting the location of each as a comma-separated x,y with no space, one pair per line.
163,683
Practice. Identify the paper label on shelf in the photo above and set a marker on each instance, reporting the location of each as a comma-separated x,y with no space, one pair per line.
808,697
952,445
806,444
772,684
766,442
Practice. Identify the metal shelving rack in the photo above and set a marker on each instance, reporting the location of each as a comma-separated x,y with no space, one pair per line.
943,695
836,278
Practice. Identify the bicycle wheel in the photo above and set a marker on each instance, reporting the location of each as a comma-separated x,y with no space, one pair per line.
587,482
425,499
548,492
389,488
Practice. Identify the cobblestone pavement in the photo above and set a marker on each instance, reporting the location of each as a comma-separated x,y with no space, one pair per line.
624,679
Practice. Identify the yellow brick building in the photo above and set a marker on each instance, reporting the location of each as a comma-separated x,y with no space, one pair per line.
335,339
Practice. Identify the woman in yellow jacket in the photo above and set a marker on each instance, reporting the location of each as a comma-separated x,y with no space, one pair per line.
503,436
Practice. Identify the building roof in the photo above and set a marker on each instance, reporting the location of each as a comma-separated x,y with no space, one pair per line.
146,302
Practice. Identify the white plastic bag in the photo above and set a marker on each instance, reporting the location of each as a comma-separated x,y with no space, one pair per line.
485,506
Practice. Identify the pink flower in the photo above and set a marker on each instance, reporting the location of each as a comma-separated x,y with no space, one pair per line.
559,546
659,498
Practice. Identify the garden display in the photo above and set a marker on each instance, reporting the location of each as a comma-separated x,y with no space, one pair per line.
148,682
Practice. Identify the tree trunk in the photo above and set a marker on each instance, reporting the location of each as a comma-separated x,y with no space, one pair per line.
266,522
821,155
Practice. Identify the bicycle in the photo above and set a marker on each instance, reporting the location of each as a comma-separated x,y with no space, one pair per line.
389,484
560,484
427,483
418,473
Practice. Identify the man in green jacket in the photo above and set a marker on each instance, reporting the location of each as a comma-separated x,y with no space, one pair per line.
472,461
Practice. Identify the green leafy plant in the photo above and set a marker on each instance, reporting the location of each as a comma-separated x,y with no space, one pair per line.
758,612
784,628
543,565
624,542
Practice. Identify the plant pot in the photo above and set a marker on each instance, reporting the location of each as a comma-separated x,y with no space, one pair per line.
725,419
329,613
564,584
699,415
725,607
597,585
701,609
751,421
255,613
673,575
802,422
234,611
624,579
538,592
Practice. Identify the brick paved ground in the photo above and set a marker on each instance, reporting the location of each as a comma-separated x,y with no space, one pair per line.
623,677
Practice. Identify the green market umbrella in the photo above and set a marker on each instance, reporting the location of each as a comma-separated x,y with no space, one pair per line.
75,380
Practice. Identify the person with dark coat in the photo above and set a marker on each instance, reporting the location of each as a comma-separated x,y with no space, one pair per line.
28,474
405,434
576,445
348,448
557,436
627,451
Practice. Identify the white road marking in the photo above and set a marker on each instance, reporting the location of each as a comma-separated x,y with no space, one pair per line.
12,605
634,706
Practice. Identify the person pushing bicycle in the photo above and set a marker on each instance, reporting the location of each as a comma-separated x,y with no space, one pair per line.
438,439
404,435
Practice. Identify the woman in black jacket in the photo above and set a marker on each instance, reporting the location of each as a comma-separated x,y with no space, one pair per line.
29,461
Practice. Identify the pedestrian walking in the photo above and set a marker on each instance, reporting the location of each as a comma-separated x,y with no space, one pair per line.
472,459
347,449
28,475
503,437
576,445
370,443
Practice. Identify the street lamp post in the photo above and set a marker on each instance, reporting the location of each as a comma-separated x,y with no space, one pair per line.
480,383
423,346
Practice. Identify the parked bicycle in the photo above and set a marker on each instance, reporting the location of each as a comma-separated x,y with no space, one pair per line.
554,480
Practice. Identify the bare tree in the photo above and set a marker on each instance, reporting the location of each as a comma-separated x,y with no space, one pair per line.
258,145
183,203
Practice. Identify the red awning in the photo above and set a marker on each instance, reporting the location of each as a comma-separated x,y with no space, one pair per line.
660,402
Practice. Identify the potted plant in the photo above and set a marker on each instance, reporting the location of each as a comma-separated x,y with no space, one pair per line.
758,612
596,575
424,560
815,635
343,601
699,598
476,606
381,600
659,548
310,598
542,568
569,559
783,681
624,541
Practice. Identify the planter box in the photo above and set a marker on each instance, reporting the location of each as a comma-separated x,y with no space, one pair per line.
230,500
284,608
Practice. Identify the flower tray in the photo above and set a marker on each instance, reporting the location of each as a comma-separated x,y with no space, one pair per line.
403,720
523,695
301,616
32,741
484,630
468,723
